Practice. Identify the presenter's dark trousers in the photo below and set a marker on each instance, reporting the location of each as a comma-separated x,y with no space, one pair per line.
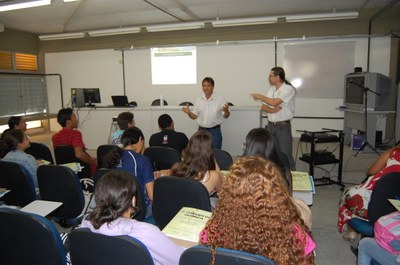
281,132
216,135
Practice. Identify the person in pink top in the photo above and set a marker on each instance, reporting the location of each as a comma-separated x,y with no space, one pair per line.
255,214
115,196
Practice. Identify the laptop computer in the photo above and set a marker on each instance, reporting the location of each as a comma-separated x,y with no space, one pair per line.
120,101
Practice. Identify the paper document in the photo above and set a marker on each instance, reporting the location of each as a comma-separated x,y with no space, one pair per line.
395,203
302,181
76,167
187,224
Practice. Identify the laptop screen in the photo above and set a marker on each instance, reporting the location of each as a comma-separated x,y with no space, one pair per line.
120,101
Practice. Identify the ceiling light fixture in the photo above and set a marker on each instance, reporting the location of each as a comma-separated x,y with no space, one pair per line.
321,17
115,31
175,26
21,4
62,36
244,21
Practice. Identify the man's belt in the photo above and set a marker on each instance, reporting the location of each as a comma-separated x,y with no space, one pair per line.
279,123
205,128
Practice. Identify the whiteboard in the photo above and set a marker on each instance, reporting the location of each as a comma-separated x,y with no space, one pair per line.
320,66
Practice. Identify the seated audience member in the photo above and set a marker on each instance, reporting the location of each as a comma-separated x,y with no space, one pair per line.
168,137
130,158
115,197
368,250
68,135
124,121
18,142
199,162
15,122
255,214
355,200
259,143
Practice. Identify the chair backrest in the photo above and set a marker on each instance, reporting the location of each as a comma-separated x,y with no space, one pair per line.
101,151
162,157
140,201
173,193
223,158
66,154
29,239
157,102
186,103
16,178
40,151
387,187
87,247
61,184
201,255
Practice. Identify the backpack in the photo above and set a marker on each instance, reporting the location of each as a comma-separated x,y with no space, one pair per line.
387,232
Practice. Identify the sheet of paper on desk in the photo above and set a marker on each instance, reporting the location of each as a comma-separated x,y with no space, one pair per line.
395,203
187,224
76,167
3,192
302,181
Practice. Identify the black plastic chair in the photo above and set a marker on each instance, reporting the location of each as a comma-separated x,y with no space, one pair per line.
162,157
40,151
387,187
101,151
157,102
173,193
201,255
223,158
87,247
61,184
16,178
186,103
65,154
29,239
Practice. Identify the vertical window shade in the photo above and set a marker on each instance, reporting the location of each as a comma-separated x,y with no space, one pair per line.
6,62
26,62
22,96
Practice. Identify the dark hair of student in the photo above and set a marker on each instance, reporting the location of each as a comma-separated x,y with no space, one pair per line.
124,119
164,121
208,80
64,115
12,122
259,143
13,138
130,136
113,196
198,157
281,73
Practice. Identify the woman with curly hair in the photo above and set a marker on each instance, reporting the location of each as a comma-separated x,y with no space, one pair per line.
199,162
255,214
115,196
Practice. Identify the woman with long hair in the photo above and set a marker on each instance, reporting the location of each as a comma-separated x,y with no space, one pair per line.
130,158
115,196
199,162
255,214
17,142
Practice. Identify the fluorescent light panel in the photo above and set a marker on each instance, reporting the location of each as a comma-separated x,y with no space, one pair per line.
21,4
63,36
244,21
116,31
322,16
175,26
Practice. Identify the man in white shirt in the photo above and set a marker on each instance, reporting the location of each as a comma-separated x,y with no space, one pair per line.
209,111
279,106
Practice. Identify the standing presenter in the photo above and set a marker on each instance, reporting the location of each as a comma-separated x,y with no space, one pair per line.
209,111
279,106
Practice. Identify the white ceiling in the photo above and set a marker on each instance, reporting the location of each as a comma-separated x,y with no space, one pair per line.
60,17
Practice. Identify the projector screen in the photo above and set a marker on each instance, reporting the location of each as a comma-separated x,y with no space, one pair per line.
173,65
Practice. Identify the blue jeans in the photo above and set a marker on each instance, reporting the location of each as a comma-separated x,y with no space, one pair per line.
216,136
282,135
369,250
